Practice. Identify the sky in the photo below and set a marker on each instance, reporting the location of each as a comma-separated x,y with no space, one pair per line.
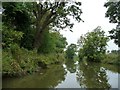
93,16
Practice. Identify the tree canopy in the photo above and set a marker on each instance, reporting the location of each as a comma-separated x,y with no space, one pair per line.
53,42
70,52
113,13
55,15
33,19
93,45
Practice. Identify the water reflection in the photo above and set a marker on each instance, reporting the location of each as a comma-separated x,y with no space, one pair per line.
70,66
48,79
92,76
112,68
70,75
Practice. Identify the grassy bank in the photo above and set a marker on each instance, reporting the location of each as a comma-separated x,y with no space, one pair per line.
18,61
111,58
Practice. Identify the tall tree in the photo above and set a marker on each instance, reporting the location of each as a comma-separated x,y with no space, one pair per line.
93,45
70,52
56,15
113,13
40,16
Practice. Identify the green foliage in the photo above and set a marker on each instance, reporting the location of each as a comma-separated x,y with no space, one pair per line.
81,54
113,13
60,42
70,52
48,43
10,36
35,22
115,34
26,24
93,45
10,66
53,42
111,67
18,61
111,58
55,15
17,16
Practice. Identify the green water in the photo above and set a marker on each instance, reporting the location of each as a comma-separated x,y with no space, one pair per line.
69,75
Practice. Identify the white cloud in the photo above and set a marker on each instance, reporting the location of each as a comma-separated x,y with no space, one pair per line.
93,15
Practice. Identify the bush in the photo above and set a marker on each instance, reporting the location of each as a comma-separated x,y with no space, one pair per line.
10,66
19,61
10,37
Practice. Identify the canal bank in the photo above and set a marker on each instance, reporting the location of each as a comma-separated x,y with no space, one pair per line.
69,75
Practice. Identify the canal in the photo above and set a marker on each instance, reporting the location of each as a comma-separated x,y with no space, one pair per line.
69,75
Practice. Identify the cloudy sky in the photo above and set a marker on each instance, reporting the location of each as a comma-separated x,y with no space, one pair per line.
93,15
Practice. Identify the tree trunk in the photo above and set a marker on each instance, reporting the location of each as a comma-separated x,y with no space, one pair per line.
41,26
37,40
38,36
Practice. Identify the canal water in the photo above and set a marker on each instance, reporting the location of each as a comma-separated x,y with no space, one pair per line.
69,75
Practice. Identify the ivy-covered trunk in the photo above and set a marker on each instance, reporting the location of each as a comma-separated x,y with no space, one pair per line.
38,36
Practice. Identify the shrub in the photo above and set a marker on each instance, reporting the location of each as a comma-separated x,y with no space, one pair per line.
19,61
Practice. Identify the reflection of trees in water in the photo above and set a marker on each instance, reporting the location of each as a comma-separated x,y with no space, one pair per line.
48,79
113,68
92,76
71,67
53,76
